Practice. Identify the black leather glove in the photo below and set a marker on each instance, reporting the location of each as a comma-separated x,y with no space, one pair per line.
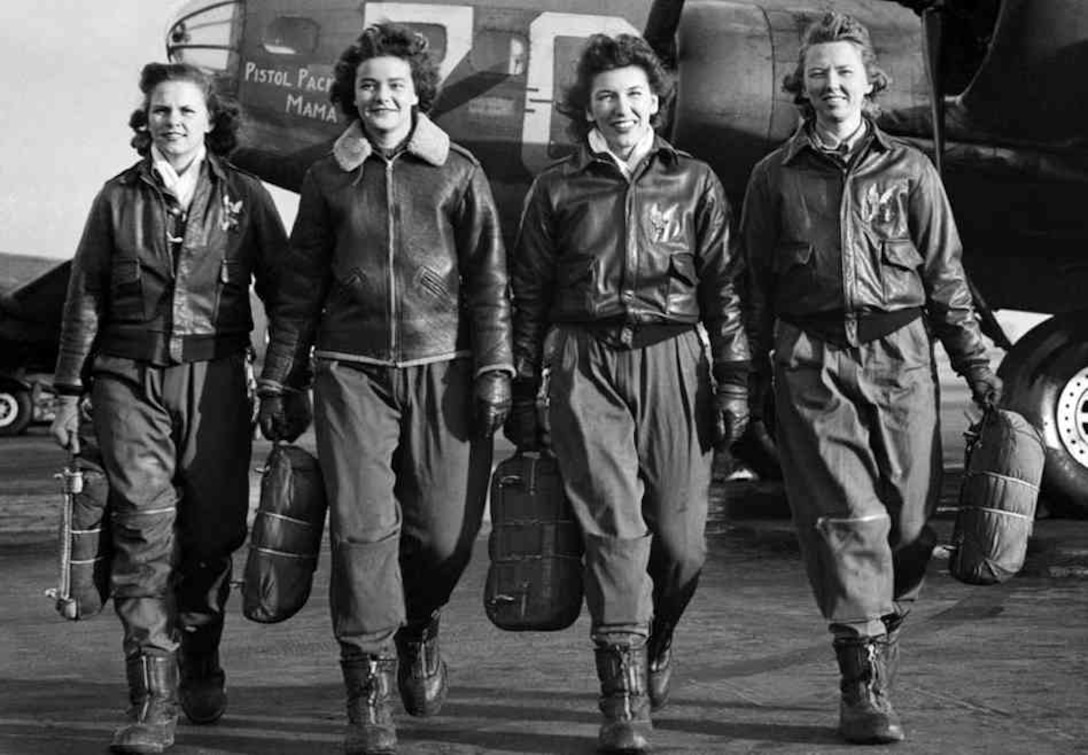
986,387
522,427
492,394
284,416
731,414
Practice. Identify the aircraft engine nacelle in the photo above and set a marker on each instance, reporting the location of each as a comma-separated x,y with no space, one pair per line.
732,58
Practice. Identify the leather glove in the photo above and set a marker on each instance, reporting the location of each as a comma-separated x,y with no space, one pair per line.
522,427
284,416
65,427
492,399
731,414
986,387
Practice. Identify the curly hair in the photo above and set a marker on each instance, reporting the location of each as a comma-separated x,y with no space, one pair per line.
836,27
604,53
224,114
380,40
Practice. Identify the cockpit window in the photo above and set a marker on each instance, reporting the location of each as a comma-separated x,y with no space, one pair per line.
205,36
291,35
500,51
436,39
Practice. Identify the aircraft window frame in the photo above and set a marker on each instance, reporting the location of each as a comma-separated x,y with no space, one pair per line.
479,56
286,50
439,33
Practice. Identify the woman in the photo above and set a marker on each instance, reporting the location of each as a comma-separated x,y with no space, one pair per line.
623,250
399,284
853,260
157,323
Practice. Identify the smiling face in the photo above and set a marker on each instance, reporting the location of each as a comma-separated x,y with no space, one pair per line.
621,104
836,84
384,97
178,119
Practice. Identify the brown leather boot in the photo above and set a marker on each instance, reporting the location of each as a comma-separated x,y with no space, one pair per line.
202,688
866,715
622,670
152,716
369,683
422,677
659,652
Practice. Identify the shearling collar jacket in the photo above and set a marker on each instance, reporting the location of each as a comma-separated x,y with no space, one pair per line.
395,261
825,239
596,248
155,283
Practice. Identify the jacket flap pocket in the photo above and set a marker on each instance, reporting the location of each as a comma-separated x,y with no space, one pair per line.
574,271
791,253
901,253
683,267
125,270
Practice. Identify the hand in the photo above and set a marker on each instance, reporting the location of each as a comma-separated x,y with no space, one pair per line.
522,427
65,427
492,401
284,416
986,387
731,414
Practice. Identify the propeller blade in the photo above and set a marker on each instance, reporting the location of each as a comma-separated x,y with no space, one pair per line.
933,32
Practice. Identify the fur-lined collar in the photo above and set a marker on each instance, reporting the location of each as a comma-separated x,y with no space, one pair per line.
428,142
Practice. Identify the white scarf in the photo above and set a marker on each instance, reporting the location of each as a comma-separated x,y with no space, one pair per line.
597,143
183,185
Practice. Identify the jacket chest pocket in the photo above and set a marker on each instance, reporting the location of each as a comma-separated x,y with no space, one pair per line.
682,283
232,307
899,263
126,290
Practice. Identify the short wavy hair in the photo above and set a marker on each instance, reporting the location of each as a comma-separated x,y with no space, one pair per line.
224,114
379,40
604,53
836,27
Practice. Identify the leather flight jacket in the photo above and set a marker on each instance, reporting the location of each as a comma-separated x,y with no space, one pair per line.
151,282
849,249
396,260
653,254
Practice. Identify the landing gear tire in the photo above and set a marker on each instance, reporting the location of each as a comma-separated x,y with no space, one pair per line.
1046,380
15,411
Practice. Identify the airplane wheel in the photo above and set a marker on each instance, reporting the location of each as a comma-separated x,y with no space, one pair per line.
1046,380
15,411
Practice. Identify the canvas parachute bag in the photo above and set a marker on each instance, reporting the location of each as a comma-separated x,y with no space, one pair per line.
534,580
285,539
1003,469
84,546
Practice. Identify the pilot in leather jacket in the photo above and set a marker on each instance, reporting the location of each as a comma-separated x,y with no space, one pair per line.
398,284
625,250
853,265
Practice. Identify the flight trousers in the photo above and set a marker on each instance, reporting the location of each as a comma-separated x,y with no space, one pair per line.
860,447
176,443
407,478
632,432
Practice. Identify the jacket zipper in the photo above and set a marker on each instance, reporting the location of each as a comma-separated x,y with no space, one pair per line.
393,346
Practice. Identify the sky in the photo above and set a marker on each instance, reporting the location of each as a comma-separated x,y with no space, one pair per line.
68,72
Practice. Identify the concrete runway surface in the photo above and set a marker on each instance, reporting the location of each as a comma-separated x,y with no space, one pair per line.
998,669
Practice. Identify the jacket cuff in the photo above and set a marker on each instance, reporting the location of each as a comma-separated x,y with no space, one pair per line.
733,373
67,389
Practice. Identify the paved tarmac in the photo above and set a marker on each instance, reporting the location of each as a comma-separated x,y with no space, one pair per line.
998,669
